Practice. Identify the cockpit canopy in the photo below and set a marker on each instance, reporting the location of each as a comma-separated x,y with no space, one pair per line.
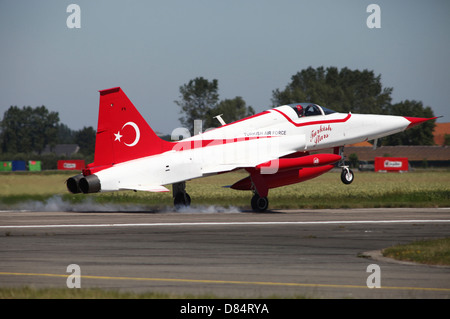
309,109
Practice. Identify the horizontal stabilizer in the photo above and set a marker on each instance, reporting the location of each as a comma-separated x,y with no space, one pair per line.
147,188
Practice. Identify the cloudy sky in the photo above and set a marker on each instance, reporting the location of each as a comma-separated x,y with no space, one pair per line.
151,48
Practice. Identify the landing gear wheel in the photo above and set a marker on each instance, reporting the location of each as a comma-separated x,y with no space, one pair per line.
182,200
259,204
347,176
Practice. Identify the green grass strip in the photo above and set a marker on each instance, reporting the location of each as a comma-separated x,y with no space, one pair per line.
430,252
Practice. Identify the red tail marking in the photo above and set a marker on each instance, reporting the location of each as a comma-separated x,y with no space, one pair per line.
122,133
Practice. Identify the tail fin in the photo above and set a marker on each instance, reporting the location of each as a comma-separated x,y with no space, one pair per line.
122,133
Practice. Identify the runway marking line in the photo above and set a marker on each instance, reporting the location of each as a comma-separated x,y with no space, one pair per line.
231,282
233,223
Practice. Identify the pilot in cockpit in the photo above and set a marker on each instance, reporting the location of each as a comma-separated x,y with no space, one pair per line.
299,110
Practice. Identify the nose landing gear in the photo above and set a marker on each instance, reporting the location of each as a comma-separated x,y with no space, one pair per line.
347,175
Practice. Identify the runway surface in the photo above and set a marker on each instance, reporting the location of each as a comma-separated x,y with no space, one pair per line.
306,253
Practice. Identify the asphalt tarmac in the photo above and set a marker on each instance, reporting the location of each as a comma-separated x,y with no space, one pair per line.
285,254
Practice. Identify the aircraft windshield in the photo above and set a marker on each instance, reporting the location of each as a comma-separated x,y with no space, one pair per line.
308,109
327,111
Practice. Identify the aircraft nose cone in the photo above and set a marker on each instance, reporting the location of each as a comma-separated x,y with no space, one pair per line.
418,120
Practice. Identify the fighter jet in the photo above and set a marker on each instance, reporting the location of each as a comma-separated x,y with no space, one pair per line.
277,147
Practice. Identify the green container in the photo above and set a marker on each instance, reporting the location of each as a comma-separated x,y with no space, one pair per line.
34,166
6,166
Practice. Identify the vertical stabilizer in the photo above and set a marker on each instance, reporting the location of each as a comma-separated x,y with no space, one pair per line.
122,133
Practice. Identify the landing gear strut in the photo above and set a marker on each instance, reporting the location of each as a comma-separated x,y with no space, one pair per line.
347,175
259,204
180,197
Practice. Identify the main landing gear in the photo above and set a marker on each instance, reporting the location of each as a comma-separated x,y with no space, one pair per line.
259,201
180,197
259,204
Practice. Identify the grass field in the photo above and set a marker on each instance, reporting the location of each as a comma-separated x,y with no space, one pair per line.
431,252
424,188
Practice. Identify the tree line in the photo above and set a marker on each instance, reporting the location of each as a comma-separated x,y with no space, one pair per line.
30,130
25,133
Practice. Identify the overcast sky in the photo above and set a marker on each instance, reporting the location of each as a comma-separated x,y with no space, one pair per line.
151,48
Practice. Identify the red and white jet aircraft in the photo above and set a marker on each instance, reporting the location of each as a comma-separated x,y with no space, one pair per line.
272,146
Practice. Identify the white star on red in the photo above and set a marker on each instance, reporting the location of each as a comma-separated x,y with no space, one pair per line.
118,136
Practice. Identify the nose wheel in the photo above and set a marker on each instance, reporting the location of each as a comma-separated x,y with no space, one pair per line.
347,175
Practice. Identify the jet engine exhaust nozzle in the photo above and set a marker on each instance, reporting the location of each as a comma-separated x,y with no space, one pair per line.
90,184
73,184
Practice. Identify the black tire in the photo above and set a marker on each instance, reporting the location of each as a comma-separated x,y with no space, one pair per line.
182,200
347,177
259,204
